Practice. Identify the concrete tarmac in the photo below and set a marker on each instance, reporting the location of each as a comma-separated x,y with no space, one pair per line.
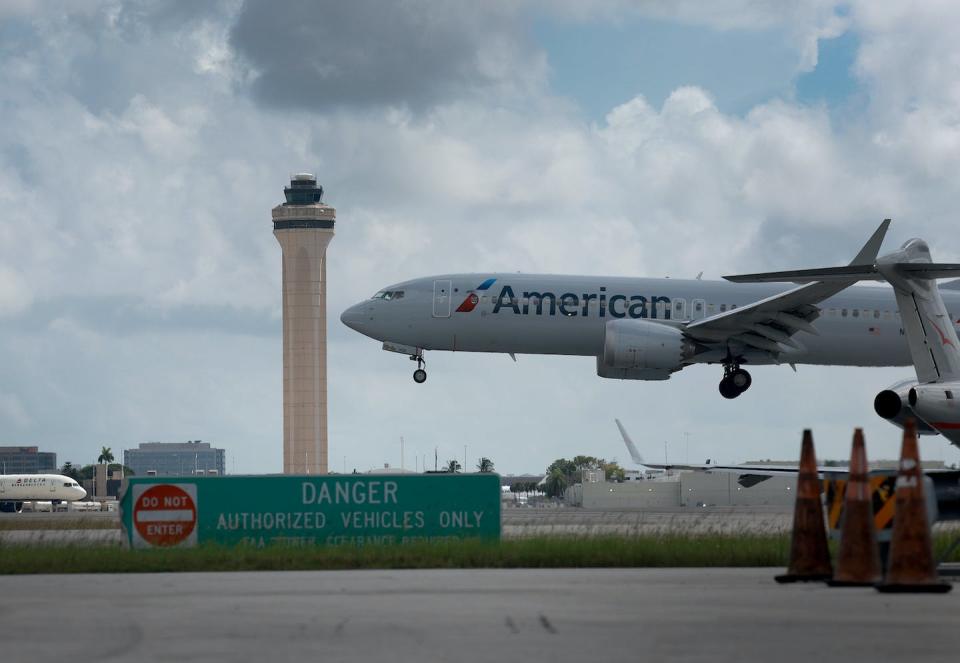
468,615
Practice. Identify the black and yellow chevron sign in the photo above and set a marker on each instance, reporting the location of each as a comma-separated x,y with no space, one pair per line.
882,490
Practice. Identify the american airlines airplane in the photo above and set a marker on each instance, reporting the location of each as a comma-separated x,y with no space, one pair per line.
15,489
641,328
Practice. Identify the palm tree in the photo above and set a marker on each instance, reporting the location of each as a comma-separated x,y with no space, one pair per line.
106,455
485,465
68,470
453,466
556,483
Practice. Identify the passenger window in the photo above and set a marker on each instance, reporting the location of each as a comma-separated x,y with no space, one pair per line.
679,309
856,313
723,308
843,312
876,314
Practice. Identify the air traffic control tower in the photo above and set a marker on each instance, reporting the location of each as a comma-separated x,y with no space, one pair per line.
304,227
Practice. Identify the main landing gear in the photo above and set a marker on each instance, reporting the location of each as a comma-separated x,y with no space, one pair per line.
735,381
419,375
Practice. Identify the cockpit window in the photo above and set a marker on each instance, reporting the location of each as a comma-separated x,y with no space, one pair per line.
388,294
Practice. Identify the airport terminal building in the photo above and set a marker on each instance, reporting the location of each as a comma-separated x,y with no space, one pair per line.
27,460
175,459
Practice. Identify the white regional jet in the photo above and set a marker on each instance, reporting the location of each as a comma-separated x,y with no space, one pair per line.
644,329
15,489
933,399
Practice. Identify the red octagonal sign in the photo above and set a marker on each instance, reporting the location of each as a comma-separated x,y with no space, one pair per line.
165,515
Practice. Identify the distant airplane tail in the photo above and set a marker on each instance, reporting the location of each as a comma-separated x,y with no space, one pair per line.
631,447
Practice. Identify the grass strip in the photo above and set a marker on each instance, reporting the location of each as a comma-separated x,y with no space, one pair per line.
553,552
663,550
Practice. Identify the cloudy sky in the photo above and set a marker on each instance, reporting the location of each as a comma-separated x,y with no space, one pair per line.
143,144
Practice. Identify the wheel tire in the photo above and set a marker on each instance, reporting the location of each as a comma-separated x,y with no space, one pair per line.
727,390
419,376
741,380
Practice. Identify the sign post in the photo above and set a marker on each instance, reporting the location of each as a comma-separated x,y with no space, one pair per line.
309,510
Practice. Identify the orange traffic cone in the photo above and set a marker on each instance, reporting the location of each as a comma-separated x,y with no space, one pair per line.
858,563
911,567
809,555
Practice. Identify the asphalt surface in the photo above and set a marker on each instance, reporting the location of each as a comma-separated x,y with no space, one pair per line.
476,615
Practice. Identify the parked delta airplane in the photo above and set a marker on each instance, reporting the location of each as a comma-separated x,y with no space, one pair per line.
933,399
644,329
15,489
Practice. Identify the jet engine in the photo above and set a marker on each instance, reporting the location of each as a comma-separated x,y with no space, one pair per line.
894,404
642,350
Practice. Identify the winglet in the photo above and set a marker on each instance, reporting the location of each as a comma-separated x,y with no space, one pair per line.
868,254
631,447
862,268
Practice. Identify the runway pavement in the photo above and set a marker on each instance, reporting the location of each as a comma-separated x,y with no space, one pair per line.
521,522
475,615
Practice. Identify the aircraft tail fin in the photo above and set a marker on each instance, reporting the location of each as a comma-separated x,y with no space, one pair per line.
631,447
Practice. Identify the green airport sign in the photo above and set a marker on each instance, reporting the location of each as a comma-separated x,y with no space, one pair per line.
309,510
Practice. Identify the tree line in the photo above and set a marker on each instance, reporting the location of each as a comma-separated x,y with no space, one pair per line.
563,472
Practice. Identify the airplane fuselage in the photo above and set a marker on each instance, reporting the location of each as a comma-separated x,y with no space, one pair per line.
16,488
567,315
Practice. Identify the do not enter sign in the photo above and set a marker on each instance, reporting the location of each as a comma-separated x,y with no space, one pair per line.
164,515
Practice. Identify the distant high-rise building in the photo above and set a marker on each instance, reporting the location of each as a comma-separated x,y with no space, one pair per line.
304,227
175,459
26,460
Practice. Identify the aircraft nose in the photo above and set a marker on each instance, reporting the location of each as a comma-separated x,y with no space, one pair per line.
83,493
355,316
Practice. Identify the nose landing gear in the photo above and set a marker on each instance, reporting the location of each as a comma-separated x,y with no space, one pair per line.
735,381
419,375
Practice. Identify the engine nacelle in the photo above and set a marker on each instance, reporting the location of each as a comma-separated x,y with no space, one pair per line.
642,350
893,404
938,404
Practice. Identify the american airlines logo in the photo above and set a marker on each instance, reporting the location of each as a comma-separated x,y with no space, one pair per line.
570,304
473,298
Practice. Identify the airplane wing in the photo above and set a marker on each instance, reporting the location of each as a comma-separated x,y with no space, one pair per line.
769,324
749,474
